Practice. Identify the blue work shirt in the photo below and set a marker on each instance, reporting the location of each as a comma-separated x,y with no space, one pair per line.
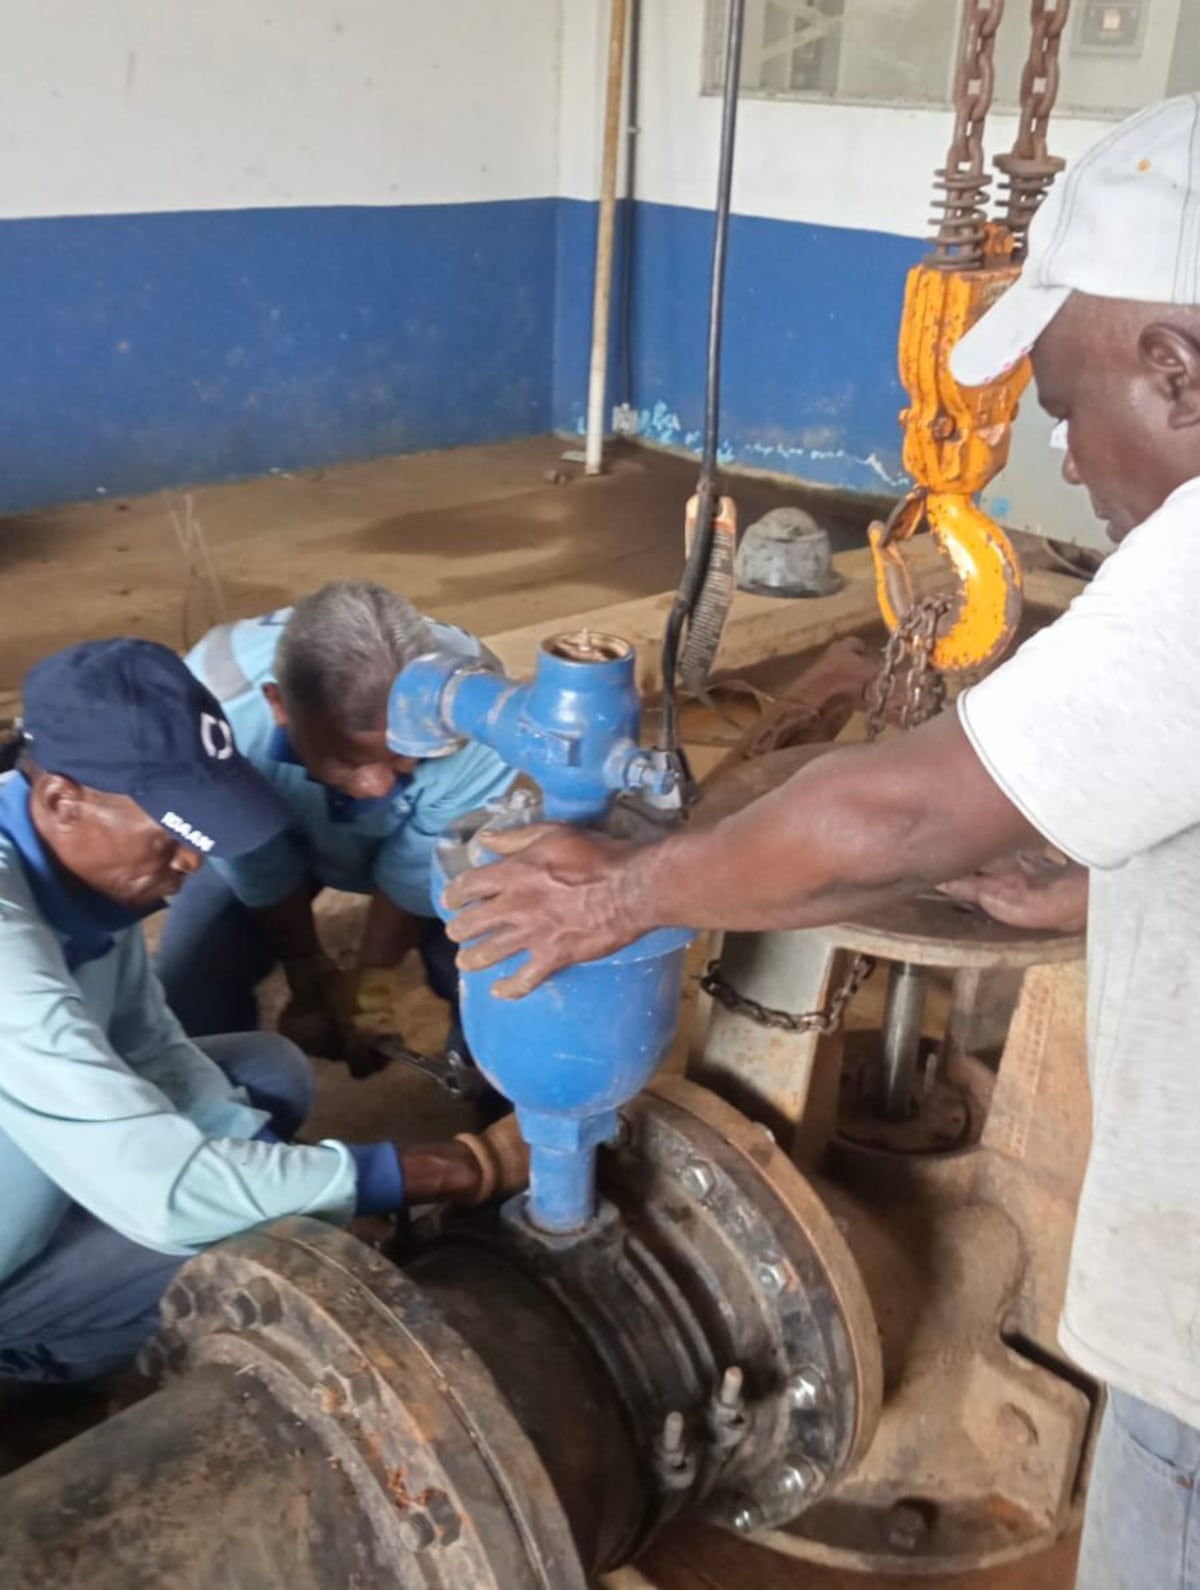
363,846
103,1100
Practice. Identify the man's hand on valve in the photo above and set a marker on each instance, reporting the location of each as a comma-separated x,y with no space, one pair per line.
560,894
1029,890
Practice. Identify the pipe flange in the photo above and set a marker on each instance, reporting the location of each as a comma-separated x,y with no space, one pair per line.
348,1346
713,1189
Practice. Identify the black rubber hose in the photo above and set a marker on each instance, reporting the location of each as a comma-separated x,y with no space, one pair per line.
629,202
696,567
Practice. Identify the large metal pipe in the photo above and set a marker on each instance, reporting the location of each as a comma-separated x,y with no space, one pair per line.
511,1411
593,447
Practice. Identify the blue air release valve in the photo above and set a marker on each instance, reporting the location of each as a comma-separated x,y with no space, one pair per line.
572,1052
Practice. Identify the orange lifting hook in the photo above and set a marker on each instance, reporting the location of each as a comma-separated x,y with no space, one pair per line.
956,440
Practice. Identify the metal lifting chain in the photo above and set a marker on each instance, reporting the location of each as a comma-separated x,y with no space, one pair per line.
924,697
822,1021
963,182
1029,168
913,638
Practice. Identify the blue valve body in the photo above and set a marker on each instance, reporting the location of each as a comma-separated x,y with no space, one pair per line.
569,1054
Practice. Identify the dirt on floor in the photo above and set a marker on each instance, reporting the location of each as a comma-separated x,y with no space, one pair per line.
488,537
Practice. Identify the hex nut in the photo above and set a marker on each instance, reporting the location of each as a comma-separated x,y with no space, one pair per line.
806,1389
772,1276
416,1532
697,1180
256,1303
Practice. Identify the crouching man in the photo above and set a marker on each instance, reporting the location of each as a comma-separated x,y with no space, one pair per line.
124,1146
306,692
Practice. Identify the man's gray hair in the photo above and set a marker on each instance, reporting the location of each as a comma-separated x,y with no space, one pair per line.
342,648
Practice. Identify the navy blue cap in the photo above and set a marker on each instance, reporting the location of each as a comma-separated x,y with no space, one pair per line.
127,717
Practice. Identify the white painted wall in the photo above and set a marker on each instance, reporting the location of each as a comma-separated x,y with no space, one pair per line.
832,165
146,105
858,166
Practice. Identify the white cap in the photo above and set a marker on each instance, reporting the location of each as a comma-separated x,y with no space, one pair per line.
1124,222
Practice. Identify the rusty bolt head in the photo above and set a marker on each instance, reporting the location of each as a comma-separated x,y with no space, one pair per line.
256,1303
347,1384
697,1180
806,1389
772,1276
416,1532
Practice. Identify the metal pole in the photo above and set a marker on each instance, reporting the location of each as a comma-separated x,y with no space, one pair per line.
605,234
902,1015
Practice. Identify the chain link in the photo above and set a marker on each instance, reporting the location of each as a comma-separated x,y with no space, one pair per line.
963,182
823,1021
1029,168
913,640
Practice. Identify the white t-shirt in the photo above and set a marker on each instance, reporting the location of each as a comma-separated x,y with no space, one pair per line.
1093,730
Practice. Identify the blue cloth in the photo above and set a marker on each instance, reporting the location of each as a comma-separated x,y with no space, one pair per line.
104,1100
88,1300
380,1178
381,845
1142,1526
214,952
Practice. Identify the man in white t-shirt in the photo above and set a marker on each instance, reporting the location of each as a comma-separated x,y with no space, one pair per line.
1090,738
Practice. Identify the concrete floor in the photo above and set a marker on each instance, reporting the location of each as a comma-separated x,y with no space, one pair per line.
481,537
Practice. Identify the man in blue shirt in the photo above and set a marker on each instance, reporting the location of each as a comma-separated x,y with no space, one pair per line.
306,690
125,1146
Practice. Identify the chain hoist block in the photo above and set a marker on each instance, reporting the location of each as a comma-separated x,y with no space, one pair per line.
956,439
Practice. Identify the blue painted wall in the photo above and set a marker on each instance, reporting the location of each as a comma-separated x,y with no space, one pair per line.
809,382
142,351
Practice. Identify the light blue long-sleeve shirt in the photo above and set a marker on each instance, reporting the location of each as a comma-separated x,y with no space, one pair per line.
363,846
103,1100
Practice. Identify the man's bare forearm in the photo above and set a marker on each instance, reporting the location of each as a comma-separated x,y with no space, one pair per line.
851,831
846,834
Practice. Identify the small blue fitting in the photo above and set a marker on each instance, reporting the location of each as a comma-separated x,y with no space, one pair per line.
574,728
